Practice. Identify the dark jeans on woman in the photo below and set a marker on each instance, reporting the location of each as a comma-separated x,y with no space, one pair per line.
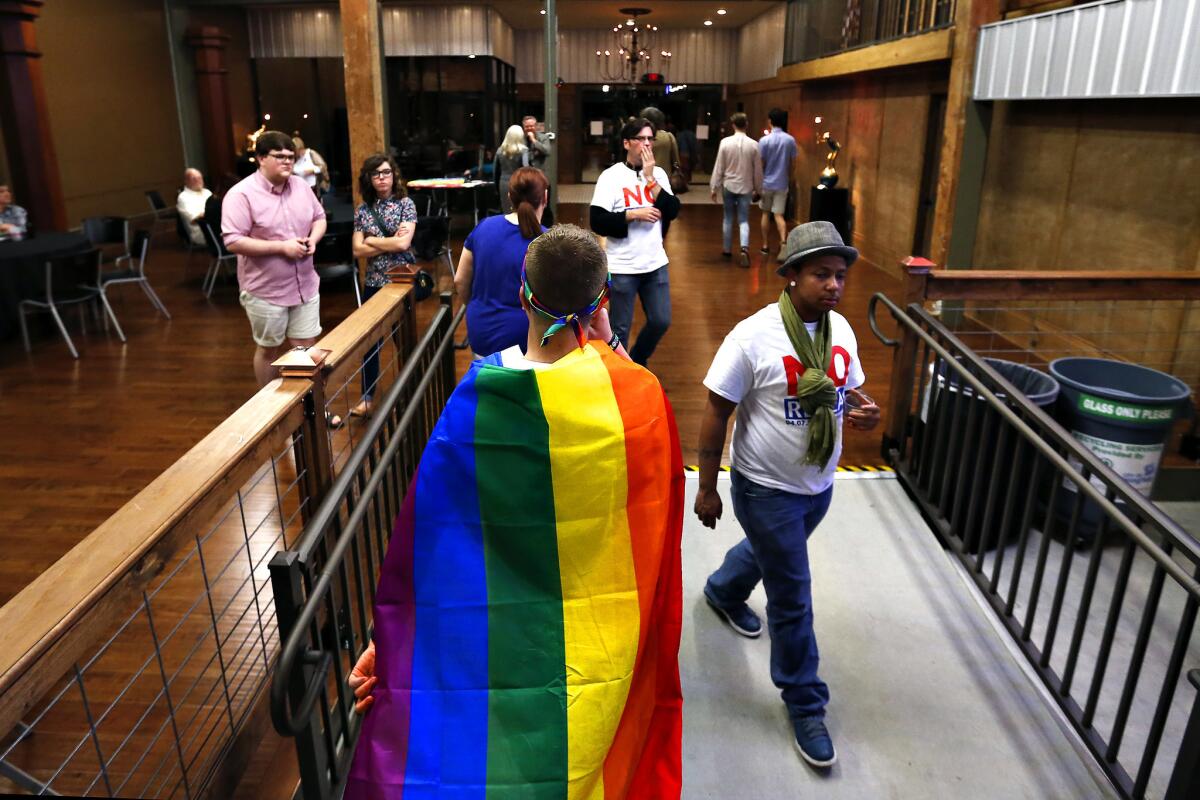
655,290
370,370
777,525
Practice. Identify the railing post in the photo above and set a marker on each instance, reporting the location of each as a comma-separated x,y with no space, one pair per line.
1185,777
916,276
287,583
311,448
448,355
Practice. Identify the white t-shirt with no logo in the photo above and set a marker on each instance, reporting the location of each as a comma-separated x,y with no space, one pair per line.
753,368
619,188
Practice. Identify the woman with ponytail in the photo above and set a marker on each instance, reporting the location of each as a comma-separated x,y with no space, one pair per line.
488,279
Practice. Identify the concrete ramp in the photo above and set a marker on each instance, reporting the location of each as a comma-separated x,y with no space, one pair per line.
928,701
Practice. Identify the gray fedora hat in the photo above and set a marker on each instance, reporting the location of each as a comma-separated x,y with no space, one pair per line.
814,239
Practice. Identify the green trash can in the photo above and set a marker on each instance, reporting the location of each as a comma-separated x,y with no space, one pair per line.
1123,413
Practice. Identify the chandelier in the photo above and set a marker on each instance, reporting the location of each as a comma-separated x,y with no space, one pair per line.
633,50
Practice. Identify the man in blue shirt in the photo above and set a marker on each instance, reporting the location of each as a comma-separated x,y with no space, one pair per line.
777,149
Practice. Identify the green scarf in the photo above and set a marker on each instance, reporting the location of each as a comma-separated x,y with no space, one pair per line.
814,390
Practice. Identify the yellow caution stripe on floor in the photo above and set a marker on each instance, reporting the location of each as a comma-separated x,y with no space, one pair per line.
847,468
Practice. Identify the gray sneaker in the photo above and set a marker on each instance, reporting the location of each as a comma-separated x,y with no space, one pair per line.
813,741
744,258
739,617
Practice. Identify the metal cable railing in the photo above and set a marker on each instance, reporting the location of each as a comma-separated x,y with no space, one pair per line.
1096,584
325,582
134,665
818,28
1162,334
149,711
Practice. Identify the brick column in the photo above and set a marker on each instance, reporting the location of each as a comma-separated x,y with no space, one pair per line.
35,177
212,93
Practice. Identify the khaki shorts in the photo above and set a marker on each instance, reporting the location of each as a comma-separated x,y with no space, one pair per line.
774,202
271,324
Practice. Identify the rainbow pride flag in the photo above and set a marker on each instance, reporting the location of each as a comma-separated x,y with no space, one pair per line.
528,616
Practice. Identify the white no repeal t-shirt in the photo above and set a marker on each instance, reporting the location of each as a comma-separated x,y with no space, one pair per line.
619,188
757,368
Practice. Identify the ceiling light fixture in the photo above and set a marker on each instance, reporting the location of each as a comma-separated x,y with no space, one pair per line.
633,51
722,11
708,22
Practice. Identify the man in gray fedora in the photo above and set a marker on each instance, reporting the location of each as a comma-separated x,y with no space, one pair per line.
792,372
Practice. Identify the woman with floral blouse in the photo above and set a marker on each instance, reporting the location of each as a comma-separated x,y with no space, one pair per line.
383,230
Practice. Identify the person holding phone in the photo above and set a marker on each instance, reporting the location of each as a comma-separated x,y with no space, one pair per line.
790,370
272,221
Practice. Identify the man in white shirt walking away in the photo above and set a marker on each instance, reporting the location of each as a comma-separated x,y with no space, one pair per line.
738,173
792,372
190,203
778,150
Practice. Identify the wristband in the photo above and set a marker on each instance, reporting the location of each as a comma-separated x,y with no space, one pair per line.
614,342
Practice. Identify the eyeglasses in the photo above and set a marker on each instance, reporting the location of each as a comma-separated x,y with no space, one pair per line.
382,173
643,138
283,158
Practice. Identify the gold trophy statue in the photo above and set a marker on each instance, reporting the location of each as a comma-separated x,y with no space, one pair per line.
829,176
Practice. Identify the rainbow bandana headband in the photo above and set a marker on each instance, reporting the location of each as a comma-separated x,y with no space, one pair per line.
560,321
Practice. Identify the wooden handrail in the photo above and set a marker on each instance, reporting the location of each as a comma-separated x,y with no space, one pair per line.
963,284
56,620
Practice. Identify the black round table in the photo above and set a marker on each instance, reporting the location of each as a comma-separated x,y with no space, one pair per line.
23,269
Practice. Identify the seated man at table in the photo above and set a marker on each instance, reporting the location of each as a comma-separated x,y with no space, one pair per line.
191,203
13,220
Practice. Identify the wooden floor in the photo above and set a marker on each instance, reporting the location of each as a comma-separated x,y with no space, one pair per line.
82,437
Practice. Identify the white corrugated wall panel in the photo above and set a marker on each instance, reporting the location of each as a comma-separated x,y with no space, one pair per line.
295,32
528,56
760,46
437,30
700,55
501,38
1113,48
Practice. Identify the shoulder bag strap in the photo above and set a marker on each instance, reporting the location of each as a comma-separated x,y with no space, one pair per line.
379,220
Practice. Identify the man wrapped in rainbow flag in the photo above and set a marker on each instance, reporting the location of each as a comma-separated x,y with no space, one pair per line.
528,615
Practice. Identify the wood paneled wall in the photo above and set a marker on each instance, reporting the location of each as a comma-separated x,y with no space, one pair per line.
112,104
880,119
1092,184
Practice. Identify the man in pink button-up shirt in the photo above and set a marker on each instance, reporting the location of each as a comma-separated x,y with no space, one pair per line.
272,221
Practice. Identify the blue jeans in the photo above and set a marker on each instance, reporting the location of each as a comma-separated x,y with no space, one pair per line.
370,368
655,290
777,526
738,204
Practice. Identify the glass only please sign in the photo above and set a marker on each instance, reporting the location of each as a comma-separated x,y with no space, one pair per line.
1112,410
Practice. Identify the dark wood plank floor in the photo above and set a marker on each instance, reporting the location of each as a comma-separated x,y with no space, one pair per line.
82,437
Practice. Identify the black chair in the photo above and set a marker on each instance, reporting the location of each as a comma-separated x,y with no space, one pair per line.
134,272
106,233
162,212
220,256
489,200
185,236
334,259
157,204
70,280
431,239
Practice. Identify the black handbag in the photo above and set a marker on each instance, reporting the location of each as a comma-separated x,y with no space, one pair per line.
422,281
